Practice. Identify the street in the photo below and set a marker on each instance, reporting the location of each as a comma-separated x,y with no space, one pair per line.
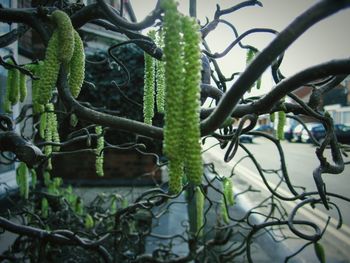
301,161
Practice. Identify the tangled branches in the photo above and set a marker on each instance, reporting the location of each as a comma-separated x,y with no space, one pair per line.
202,222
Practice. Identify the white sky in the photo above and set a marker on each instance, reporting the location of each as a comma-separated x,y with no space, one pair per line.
325,41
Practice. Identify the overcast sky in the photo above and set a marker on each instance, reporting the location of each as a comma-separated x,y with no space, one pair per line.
327,40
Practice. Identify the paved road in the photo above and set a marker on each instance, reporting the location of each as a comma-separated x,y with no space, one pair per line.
301,160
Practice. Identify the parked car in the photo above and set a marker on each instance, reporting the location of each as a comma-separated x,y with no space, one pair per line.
288,132
342,133
300,134
246,138
265,128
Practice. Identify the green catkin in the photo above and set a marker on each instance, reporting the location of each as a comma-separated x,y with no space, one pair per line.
99,151
22,87
48,132
44,208
47,178
251,53
43,124
7,104
22,180
250,56
89,221
34,178
224,212
175,175
199,209
280,125
160,77
35,69
272,117
228,191
191,101
48,77
55,134
14,83
65,36
148,90
73,121
320,253
77,66
79,206
173,116
51,132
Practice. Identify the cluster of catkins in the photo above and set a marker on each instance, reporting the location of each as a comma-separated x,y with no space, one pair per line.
154,77
65,47
182,58
16,88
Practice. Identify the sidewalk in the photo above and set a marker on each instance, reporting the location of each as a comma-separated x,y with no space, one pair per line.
336,250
